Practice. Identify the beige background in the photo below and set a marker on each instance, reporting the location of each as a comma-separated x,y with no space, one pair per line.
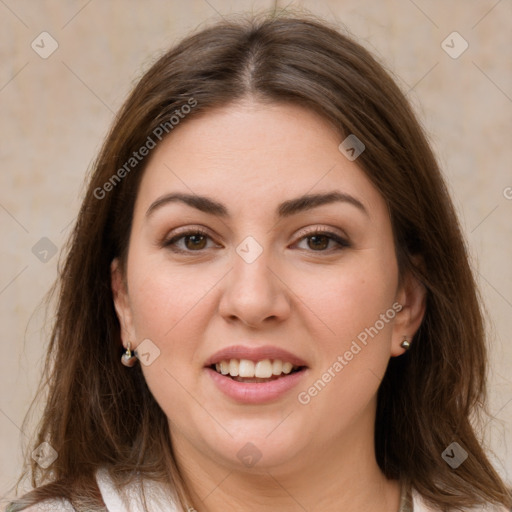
56,111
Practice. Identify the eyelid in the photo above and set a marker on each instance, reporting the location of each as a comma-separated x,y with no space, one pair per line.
321,229
340,239
183,232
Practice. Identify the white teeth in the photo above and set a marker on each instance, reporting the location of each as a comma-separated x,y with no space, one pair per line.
277,367
234,366
224,367
245,368
263,369
287,367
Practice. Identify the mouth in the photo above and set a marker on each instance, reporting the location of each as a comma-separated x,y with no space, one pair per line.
255,375
265,370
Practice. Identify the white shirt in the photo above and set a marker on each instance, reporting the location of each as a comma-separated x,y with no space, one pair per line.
158,499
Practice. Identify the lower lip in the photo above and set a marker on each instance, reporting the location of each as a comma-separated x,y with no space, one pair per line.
255,392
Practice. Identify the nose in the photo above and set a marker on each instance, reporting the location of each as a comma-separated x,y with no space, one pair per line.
254,293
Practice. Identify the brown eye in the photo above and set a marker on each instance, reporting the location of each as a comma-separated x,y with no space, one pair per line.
193,241
318,241
197,241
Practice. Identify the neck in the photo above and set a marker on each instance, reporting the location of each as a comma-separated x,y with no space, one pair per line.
338,475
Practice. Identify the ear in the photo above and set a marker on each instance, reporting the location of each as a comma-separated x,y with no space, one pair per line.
411,296
122,303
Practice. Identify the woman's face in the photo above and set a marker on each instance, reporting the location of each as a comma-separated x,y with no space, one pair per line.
270,283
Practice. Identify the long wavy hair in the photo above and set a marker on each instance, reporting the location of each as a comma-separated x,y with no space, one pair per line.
99,413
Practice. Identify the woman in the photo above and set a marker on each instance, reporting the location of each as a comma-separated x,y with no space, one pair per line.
266,302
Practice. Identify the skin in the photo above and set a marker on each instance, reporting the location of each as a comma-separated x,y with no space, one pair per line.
308,300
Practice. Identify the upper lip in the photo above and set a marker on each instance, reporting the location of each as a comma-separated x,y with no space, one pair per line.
254,354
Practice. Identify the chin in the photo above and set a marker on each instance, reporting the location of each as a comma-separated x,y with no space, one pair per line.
257,448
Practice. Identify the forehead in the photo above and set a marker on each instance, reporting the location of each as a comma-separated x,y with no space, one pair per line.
253,154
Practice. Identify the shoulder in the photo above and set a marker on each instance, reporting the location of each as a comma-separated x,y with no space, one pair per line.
420,505
129,499
159,497
53,505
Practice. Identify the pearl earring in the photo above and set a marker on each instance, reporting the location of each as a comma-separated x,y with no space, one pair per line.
128,358
405,344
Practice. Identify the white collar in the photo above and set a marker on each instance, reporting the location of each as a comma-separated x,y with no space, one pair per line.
159,497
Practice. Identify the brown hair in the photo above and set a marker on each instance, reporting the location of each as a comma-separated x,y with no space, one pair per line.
98,413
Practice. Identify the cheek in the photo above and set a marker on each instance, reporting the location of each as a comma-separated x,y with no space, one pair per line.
171,307
357,306
167,299
351,298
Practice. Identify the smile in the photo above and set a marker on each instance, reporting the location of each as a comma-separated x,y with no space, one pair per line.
245,370
255,375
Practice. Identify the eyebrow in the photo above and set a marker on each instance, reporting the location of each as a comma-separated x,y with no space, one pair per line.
285,209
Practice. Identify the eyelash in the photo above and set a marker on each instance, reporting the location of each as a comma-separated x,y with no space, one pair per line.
197,231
